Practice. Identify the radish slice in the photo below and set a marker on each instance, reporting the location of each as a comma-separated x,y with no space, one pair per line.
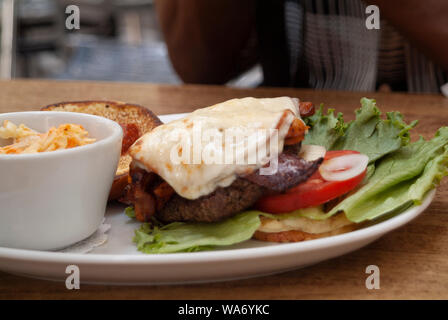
344,167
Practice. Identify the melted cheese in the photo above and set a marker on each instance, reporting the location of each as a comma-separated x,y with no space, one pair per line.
198,171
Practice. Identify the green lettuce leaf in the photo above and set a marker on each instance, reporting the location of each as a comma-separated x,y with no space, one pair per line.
368,133
400,180
326,129
130,212
187,237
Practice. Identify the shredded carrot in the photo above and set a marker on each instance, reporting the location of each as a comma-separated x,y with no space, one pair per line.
26,140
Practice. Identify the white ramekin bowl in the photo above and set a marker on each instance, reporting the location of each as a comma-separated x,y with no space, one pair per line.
51,200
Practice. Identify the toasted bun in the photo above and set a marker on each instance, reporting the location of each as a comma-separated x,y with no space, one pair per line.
335,225
124,114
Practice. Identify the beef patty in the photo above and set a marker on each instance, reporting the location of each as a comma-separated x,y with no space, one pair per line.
241,194
221,204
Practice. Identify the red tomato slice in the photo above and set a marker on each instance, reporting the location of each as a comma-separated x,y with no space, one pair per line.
313,192
337,153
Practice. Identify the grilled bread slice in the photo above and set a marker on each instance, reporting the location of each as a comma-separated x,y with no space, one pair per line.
134,119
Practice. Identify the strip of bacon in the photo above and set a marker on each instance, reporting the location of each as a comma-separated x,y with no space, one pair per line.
306,109
147,192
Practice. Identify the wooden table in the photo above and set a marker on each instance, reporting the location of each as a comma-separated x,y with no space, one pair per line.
413,260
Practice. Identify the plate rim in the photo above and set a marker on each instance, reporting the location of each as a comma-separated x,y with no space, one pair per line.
376,230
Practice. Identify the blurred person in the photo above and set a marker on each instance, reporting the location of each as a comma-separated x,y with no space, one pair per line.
321,44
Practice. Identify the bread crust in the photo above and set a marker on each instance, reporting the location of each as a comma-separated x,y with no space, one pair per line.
124,114
120,113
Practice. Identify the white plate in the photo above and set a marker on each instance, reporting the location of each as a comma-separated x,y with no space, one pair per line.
119,262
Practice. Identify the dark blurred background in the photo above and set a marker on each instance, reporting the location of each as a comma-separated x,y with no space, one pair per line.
325,45
117,41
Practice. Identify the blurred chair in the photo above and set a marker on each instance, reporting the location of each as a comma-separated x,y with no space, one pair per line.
119,40
40,31
107,59
135,53
97,16
42,36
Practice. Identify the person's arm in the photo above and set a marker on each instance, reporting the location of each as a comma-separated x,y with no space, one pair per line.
208,39
424,23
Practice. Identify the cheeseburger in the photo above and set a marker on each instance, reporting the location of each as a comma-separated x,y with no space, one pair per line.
221,160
